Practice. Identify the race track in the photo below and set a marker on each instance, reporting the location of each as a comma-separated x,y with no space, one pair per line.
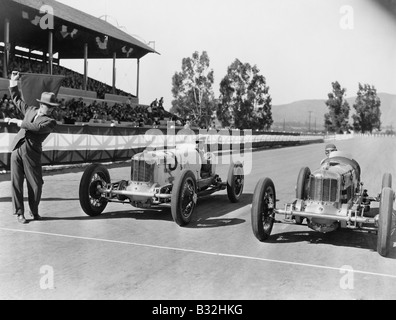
135,254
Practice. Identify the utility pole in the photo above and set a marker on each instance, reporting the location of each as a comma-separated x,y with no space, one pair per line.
315,125
310,115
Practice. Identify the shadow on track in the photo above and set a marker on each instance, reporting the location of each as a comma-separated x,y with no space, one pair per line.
161,214
341,238
208,214
211,210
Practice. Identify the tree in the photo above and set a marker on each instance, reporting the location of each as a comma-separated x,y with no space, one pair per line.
367,106
245,102
337,120
192,89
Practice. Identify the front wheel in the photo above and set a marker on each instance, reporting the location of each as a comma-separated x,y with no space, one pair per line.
385,222
184,198
235,182
91,200
263,209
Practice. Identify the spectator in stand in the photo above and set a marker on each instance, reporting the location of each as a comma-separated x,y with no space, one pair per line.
154,103
76,110
3,109
187,125
72,80
161,103
150,111
141,120
8,111
61,114
129,101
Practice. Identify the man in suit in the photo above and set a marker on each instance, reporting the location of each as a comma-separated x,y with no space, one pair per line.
27,149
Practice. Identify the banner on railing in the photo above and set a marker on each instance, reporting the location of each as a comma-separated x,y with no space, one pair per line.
75,144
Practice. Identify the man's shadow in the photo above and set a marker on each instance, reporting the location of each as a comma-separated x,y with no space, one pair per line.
25,199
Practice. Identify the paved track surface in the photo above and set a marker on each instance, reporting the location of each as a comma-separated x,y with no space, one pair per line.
136,254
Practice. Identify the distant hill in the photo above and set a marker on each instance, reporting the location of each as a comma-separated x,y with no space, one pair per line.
298,112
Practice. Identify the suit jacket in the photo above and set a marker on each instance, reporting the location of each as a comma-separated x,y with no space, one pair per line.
33,131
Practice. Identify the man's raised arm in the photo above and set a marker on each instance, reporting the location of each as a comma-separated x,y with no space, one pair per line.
15,94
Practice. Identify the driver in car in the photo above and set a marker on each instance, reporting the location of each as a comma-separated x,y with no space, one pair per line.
328,150
207,157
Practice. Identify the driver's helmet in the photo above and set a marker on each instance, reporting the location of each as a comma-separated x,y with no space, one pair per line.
329,149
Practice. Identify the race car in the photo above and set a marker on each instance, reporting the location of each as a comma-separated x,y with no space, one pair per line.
175,177
330,198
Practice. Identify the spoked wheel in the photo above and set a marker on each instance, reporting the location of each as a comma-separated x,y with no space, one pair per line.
385,222
91,200
235,182
302,189
184,198
263,209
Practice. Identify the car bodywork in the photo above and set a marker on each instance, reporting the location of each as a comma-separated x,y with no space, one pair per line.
334,193
329,198
155,178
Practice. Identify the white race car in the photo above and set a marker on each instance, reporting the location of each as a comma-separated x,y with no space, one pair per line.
175,177
330,198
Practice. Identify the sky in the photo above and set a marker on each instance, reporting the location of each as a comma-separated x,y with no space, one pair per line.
300,46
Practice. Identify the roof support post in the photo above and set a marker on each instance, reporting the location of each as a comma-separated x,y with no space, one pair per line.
50,52
114,72
6,54
85,85
138,78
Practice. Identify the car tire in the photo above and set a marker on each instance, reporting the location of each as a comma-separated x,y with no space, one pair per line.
235,182
385,222
92,203
263,206
184,198
386,181
302,189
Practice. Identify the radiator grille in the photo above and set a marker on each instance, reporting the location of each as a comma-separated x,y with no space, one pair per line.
323,189
142,171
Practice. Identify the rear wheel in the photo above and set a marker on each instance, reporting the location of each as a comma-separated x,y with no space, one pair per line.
235,182
385,222
91,200
184,198
263,209
302,189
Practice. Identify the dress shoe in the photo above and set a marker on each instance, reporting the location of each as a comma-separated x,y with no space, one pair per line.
21,219
36,217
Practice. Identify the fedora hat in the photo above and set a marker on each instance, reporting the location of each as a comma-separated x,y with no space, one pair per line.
49,99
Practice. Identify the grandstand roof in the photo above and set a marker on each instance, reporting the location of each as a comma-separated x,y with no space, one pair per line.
72,29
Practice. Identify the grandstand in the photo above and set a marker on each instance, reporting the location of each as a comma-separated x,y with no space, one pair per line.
29,43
